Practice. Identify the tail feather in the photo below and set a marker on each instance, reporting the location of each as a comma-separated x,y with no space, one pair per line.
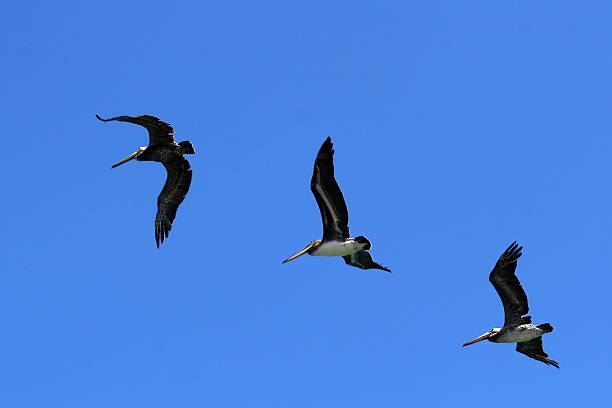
187,147
546,327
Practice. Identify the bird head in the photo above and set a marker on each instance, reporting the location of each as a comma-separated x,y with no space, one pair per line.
303,251
485,336
130,157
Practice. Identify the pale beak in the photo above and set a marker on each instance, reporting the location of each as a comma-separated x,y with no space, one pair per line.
477,339
302,252
127,159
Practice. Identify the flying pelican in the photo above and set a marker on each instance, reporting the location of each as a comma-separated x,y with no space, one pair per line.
517,329
162,148
336,241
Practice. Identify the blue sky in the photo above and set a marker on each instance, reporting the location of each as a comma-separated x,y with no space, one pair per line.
458,128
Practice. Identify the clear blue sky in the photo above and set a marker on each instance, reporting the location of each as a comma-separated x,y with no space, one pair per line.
458,129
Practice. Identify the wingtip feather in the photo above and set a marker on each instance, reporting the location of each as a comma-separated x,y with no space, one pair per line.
512,253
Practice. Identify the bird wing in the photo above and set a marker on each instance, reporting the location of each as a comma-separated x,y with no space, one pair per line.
362,259
509,288
172,195
533,348
329,196
159,132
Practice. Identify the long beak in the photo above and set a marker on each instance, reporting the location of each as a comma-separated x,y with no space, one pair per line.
302,252
127,159
477,339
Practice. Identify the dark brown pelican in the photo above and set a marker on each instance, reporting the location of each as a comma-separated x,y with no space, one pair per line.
336,241
517,328
162,148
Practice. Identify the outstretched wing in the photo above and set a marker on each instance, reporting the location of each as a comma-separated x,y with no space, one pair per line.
533,348
362,259
509,288
159,132
328,195
171,196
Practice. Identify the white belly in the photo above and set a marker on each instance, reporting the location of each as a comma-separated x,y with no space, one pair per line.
524,332
336,248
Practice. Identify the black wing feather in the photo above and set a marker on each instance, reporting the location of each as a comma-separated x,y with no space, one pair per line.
329,196
171,196
159,132
533,348
362,259
509,288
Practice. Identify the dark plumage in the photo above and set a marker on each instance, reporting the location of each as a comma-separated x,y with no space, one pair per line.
509,288
162,148
172,195
362,259
334,214
517,327
533,348
330,199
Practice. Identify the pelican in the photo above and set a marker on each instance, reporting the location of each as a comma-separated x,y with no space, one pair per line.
517,328
336,238
162,148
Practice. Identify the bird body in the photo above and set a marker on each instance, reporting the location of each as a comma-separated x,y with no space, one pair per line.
337,248
163,152
336,239
517,327
162,148
516,334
